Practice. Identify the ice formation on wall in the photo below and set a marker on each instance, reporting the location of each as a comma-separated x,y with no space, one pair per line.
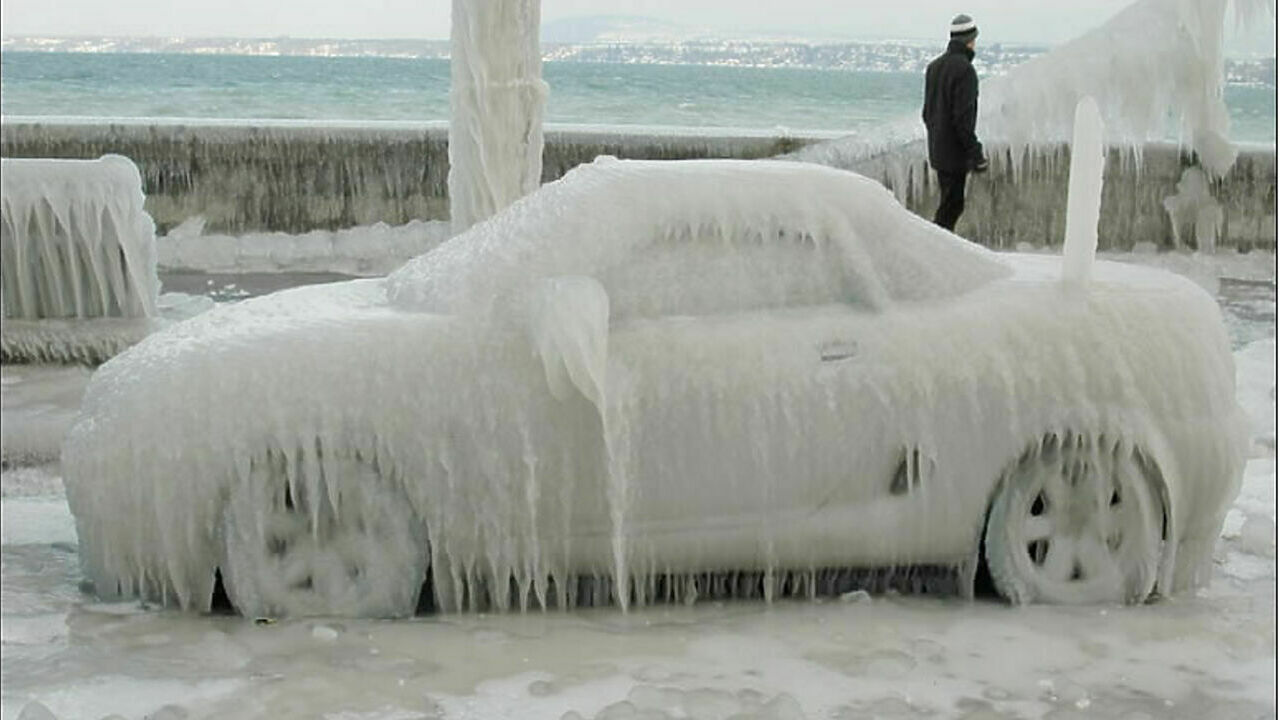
496,100
1194,206
298,176
780,337
1153,63
363,251
1153,60
76,242
1084,196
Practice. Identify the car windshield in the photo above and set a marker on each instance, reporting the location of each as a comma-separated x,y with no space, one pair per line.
699,237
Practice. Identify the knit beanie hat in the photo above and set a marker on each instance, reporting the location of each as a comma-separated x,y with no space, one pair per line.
963,28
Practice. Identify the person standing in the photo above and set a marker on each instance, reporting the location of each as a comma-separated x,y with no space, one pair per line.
951,116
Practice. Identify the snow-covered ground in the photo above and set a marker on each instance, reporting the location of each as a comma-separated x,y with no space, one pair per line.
1207,655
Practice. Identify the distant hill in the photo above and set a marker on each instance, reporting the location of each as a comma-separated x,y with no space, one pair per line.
623,29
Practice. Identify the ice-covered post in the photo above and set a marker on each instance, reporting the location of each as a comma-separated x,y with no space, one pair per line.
497,101
1084,195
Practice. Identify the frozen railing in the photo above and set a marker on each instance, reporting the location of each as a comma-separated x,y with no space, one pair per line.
75,242
78,276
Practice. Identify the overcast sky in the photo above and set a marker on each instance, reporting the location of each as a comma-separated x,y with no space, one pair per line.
1038,21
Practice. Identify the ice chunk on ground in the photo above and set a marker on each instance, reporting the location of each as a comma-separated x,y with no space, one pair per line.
76,241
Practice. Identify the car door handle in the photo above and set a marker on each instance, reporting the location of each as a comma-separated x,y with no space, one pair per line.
837,350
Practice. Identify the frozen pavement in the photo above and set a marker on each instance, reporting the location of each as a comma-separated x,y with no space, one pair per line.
1211,654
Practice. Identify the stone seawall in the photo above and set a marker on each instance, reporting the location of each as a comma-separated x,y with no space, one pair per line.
296,177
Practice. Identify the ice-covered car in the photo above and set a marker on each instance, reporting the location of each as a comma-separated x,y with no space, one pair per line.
649,377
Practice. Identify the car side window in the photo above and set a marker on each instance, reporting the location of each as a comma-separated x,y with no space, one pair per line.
693,272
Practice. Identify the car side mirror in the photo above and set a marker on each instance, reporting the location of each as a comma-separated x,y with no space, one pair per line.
569,327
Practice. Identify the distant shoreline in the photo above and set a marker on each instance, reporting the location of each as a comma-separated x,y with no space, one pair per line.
889,55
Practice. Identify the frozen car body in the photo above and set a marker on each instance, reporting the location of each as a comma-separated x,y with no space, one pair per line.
653,370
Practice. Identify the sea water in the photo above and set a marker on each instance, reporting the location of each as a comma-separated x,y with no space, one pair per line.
417,89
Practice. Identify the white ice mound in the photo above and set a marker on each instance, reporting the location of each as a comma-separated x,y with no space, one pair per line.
75,240
787,233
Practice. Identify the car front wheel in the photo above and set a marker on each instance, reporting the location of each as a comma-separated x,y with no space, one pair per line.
1076,522
337,540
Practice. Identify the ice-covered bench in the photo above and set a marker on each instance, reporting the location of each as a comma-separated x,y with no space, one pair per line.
78,257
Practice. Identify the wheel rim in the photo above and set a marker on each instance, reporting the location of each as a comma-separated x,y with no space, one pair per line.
1081,528
345,545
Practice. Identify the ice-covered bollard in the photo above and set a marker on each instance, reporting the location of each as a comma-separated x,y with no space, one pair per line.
75,240
1084,196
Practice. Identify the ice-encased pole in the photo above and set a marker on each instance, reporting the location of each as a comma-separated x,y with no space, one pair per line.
497,101
1084,195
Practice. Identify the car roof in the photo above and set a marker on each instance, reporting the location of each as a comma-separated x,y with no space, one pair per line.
610,212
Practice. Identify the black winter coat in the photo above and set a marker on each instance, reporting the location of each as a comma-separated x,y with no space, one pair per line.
951,110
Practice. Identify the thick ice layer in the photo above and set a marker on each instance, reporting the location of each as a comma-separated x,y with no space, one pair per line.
759,416
76,242
363,251
496,100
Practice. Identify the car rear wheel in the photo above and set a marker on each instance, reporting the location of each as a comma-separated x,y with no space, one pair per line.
1076,522
337,541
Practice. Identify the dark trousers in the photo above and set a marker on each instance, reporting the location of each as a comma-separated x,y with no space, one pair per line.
951,185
